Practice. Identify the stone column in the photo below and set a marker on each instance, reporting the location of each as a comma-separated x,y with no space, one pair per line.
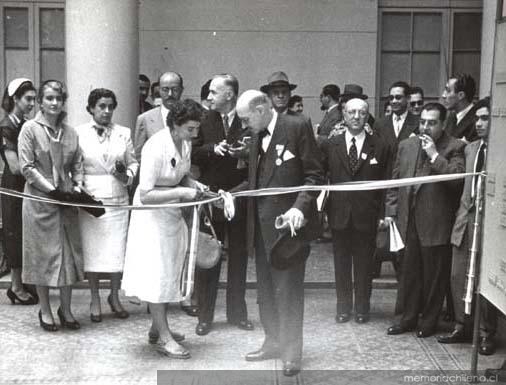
487,46
102,51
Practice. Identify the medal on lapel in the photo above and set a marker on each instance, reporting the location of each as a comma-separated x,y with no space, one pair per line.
280,149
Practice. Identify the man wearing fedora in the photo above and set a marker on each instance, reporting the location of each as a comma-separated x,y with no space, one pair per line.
283,153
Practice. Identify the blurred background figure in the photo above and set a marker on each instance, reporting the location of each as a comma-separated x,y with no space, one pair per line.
415,100
387,109
144,83
204,93
155,94
295,104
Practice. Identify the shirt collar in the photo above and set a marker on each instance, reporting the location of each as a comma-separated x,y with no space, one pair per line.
231,116
402,116
332,107
461,114
272,123
358,138
15,119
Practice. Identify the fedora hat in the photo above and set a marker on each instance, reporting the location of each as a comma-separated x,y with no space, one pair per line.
277,79
352,91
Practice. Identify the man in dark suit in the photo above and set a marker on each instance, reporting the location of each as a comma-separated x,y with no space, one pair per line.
329,99
144,83
354,215
402,123
283,153
424,215
458,99
462,235
215,154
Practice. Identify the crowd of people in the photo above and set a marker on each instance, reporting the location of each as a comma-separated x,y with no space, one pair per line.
184,151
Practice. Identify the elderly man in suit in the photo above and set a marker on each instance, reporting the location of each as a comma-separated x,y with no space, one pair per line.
458,97
353,215
152,121
462,233
402,123
215,152
283,153
329,99
424,215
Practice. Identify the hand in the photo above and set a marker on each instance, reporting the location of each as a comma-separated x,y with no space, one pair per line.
428,146
221,148
295,217
384,224
189,194
121,176
239,152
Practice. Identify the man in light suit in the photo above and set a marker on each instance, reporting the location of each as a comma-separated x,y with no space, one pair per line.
283,153
329,99
462,235
152,121
424,215
402,123
353,215
215,152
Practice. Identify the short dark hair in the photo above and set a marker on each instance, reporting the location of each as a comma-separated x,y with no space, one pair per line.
144,78
98,93
332,90
8,101
294,99
204,90
56,85
184,111
436,107
401,84
155,84
465,83
416,90
230,81
485,102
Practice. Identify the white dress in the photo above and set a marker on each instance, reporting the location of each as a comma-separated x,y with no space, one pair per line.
157,239
104,238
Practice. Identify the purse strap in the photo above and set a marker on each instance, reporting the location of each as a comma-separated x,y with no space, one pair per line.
192,261
208,223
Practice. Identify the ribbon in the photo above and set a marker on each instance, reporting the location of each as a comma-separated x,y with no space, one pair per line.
347,186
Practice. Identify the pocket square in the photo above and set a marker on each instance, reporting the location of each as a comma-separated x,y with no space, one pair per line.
288,155
373,161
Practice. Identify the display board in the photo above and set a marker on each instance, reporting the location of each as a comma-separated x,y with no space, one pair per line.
493,262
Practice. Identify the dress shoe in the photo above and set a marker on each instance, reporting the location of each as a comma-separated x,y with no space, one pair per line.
342,318
361,318
117,313
13,297
44,325
203,328
263,354
95,317
424,333
397,329
153,336
455,337
291,368
72,325
192,311
487,346
179,352
244,324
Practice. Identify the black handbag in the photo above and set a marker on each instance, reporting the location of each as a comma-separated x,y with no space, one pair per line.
209,247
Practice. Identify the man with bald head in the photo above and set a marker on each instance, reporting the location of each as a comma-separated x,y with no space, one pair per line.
283,153
353,156
152,121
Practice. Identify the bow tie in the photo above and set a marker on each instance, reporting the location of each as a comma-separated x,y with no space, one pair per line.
262,134
101,130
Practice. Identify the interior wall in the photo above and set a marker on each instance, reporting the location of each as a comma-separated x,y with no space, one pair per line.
315,42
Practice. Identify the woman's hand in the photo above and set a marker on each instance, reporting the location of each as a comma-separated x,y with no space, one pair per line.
121,176
189,194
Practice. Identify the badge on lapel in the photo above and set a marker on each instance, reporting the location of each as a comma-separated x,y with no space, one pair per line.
363,156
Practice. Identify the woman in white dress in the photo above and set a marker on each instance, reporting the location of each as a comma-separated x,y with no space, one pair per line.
109,166
157,239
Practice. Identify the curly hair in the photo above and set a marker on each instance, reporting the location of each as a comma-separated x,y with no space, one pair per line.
98,93
184,111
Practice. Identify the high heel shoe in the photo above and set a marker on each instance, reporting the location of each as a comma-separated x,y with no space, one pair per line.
72,325
47,327
13,297
117,313
95,317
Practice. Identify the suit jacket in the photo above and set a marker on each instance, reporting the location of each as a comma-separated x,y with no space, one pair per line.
465,128
466,202
219,172
360,209
291,136
433,204
384,127
148,124
330,119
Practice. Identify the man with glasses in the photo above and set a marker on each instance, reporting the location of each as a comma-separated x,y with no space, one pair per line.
152,121
424,215
402,123
415,100
461,235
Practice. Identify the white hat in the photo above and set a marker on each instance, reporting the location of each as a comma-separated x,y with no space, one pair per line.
14,85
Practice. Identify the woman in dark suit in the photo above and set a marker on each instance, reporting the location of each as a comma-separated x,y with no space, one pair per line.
18,101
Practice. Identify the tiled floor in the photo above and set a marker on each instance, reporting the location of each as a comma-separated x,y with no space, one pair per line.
116,351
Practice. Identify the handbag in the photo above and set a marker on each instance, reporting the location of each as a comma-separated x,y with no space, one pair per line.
208,246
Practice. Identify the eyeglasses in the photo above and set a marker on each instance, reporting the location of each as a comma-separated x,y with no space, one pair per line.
174,90
396,97
484,118
361,113
416,103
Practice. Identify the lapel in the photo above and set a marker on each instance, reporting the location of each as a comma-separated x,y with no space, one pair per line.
407,127
278,138
367,149
253,163
339,142
235,130
156,119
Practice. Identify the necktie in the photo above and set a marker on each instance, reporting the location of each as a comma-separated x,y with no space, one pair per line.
353,156
397,120
226,126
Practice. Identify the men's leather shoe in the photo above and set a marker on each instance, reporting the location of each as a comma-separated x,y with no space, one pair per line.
244,324
203,328
342,318
423,333
192,311
455,337
361,318
263,354
291,368
397,329
487,346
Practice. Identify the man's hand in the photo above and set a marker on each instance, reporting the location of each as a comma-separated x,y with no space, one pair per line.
295,217
221,148
384,224
429,146
240,152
